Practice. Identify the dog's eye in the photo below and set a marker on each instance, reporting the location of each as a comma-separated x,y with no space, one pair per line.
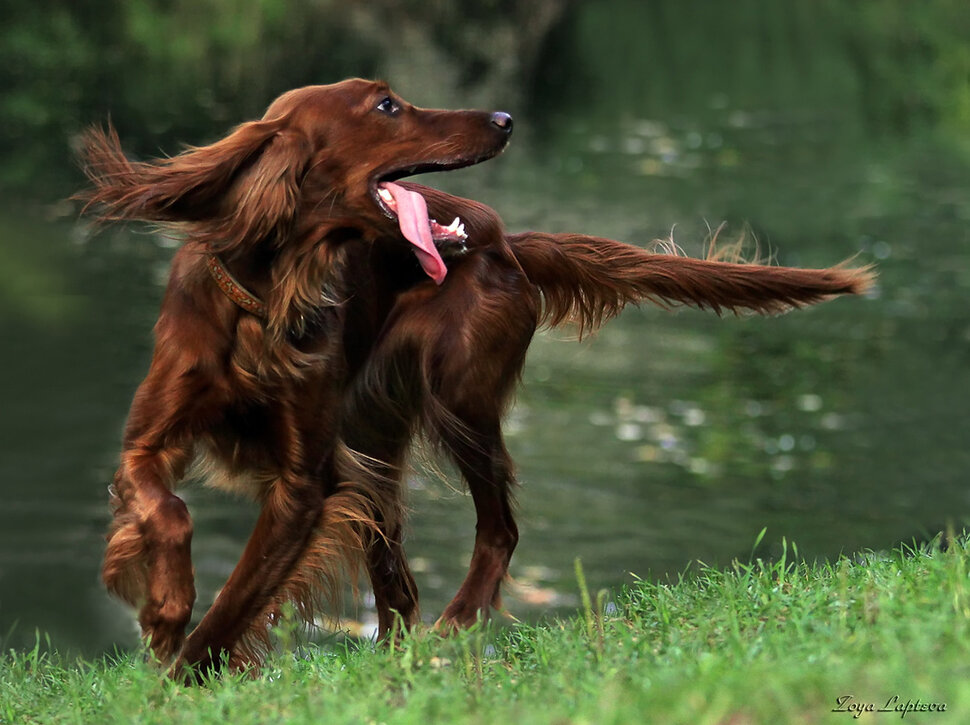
388,106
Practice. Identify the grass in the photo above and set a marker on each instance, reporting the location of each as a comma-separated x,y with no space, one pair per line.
762,642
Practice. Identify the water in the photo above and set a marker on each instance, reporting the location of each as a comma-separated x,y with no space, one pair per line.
670,437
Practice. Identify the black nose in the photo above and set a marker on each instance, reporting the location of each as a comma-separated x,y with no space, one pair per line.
502,120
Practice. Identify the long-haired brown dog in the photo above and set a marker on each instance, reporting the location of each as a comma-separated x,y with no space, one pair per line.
318,317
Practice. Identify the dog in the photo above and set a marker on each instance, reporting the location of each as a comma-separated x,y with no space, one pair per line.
321,313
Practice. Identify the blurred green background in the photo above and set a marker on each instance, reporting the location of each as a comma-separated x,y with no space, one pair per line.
824,129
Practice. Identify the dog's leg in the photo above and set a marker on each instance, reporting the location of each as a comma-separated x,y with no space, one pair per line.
147,562
379,420
291,509
465,345
487,469
395,593
472,369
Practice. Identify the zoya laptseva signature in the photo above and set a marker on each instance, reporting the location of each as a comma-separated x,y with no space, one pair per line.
895,704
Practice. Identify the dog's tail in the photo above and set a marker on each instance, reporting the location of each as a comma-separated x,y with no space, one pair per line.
589,280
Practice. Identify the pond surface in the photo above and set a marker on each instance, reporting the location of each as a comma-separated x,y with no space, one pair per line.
667,438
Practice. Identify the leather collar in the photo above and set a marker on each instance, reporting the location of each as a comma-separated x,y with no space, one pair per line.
232,289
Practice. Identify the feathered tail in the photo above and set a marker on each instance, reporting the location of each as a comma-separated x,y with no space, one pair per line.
590,279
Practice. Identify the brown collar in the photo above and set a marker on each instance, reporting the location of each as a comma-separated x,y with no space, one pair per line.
232,289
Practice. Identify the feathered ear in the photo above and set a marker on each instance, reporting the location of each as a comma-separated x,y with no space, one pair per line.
236,190
263,199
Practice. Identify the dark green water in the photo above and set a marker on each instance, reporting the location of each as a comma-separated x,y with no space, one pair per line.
669,437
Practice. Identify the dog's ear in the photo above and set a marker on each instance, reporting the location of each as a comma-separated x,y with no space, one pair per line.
239,189
263,198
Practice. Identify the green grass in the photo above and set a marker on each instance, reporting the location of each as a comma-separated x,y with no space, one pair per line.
761,642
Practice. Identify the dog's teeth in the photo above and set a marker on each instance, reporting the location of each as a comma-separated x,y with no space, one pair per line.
454,225
386,195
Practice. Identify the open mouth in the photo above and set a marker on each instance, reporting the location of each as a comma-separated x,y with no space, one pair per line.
409,209
425,234
432,241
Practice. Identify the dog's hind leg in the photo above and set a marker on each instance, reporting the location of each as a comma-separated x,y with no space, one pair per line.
471,367
451,357
379,421
487,468
395,592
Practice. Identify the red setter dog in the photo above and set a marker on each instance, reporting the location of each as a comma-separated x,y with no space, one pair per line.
317,318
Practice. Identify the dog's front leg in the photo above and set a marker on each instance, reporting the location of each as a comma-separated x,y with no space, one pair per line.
290,512
148,561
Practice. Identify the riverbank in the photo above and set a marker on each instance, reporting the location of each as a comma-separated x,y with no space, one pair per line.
885,634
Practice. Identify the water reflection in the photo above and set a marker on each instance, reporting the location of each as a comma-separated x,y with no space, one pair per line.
667,438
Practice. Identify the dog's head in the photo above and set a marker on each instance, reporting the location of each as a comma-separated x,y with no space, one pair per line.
321,155
356,138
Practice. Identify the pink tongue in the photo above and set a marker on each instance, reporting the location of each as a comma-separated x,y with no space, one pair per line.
412,217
